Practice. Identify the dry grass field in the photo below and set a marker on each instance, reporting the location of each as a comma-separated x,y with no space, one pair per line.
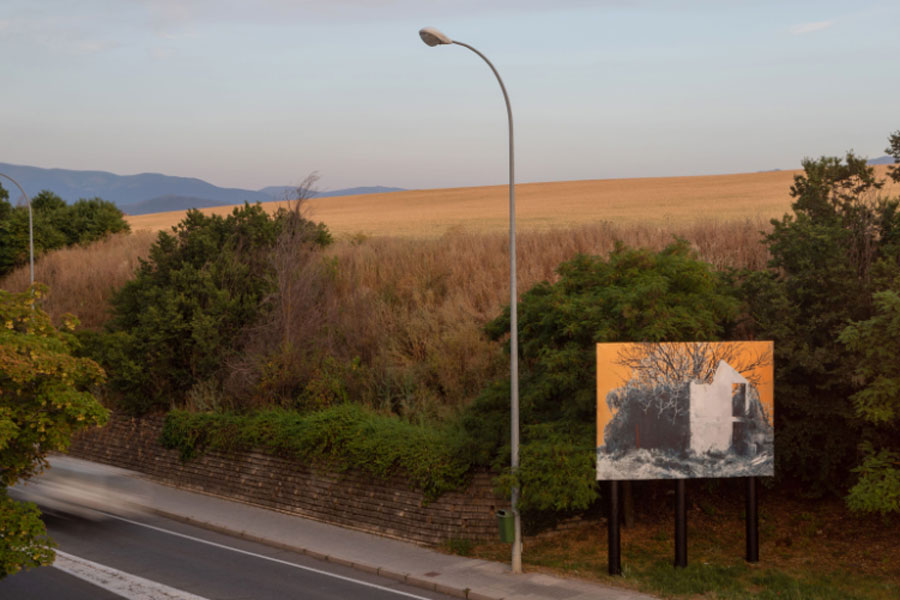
420,236
656,201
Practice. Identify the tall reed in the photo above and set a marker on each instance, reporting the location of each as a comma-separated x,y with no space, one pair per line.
400,321
82,278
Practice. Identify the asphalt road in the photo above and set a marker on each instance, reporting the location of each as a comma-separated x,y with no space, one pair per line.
185,563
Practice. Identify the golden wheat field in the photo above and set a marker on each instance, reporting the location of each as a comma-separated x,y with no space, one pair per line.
656,201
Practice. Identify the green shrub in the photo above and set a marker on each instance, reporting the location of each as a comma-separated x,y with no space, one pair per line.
632,296
178,323
878,487
345,437
557,470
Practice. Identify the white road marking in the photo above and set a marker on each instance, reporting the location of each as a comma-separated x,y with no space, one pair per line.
269,558
118,582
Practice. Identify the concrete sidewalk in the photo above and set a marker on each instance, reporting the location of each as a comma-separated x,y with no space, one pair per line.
421,567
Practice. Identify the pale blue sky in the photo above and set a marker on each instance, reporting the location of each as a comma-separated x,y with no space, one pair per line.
249,94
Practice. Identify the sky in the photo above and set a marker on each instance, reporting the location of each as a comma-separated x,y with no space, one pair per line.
251,94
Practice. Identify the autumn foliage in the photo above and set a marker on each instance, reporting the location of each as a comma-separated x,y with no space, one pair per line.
45,396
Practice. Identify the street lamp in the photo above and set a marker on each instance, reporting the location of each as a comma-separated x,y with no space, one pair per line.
30,225
433,37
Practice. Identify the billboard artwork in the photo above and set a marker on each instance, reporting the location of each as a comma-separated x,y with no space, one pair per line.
684,410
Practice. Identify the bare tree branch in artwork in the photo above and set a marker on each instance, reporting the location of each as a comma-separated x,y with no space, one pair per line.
678,363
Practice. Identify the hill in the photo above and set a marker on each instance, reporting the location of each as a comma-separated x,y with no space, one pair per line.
148,192
169,203
656,201
277,192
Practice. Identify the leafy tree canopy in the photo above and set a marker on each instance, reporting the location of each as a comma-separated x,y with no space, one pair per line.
633,295
55,225
894,150
177,323
839,245
875,344
45,396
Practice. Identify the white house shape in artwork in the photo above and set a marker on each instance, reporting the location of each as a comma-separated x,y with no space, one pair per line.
715,408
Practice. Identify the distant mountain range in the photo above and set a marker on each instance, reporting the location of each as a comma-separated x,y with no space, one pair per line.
149,192
154,192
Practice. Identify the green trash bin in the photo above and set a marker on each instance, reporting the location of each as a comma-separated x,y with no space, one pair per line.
506,521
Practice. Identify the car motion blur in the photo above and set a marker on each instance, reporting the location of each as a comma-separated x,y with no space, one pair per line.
71,486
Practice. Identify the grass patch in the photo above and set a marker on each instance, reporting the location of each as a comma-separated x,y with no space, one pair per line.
460,546
845,557
696,579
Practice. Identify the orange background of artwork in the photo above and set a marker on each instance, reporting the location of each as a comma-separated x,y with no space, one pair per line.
611,375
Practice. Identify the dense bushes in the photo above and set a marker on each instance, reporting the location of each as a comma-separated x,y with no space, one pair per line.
55,225
179,322
633,295
875,344
837,248
344,436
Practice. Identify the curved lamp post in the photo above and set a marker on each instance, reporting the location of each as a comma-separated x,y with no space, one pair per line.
30,225
433,37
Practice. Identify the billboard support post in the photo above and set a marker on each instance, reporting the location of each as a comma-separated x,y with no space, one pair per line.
752,515
684,410
615,561
680,524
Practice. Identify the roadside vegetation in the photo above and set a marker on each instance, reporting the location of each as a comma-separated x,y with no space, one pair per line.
258,330
55,225
45,396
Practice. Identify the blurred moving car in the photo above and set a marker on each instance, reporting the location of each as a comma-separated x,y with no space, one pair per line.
86,489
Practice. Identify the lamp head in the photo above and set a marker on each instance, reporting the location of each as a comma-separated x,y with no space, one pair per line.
433,37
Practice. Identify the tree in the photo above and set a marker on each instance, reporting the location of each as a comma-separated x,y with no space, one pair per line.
92,219
55,225
44,398
676,364
875,344
828,257
178,322
47,201
5,206
894,150
634,295
51,218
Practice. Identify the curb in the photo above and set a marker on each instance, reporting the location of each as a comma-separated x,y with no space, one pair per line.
406,578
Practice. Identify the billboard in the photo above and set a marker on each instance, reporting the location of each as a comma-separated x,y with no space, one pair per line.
685,410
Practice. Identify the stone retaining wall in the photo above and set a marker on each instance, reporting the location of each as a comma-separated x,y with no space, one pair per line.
349,499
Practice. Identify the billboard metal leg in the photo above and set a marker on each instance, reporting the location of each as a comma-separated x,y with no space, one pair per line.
680,524
752,514
615,563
